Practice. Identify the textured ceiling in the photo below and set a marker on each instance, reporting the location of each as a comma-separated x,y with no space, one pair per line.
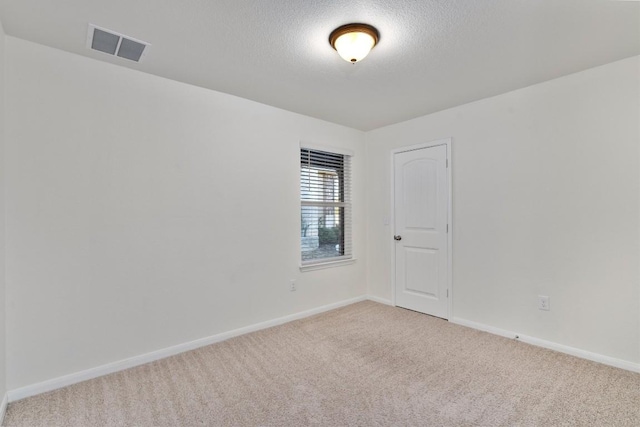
432,55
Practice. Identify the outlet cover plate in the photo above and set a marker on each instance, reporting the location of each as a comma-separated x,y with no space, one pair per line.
543,303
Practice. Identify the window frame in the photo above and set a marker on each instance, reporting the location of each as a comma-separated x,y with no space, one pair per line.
329,262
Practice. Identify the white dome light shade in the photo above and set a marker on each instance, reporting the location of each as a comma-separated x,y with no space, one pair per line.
354,41
353,47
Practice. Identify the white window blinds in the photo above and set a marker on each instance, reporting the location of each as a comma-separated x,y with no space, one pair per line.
325,196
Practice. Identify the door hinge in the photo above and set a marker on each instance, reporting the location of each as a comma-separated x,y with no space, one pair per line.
447,228
447,162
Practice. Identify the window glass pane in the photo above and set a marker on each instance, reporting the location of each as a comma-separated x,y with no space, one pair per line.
322,176
322,232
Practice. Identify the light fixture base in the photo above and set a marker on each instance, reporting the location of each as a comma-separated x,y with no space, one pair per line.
354,28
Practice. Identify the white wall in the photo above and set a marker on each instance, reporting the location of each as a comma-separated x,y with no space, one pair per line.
3,369
144,213
546,202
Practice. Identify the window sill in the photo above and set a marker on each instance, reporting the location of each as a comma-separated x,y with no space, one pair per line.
329,264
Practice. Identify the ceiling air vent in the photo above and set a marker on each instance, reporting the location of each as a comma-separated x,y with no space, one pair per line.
115,44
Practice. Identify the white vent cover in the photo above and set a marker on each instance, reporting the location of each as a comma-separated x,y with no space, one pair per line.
116,44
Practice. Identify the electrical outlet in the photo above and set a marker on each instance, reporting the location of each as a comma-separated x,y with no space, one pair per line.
292,286
543,303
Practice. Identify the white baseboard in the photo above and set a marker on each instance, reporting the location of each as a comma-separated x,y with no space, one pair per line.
379,300
3,407
56,383
583,354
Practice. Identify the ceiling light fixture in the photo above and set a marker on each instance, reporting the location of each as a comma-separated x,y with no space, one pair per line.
354,41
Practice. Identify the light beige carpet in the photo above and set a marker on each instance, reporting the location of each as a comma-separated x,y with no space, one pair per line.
366,365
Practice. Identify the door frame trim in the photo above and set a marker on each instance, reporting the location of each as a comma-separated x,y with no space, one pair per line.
446,142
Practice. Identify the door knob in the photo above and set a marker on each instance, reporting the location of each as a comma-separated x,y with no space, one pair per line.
397,237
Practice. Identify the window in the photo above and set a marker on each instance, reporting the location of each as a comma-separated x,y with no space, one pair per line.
325,198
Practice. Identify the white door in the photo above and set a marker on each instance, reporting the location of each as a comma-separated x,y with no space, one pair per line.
421,203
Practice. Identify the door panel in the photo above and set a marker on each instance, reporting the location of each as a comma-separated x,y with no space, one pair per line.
420,206
421,200
421,266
